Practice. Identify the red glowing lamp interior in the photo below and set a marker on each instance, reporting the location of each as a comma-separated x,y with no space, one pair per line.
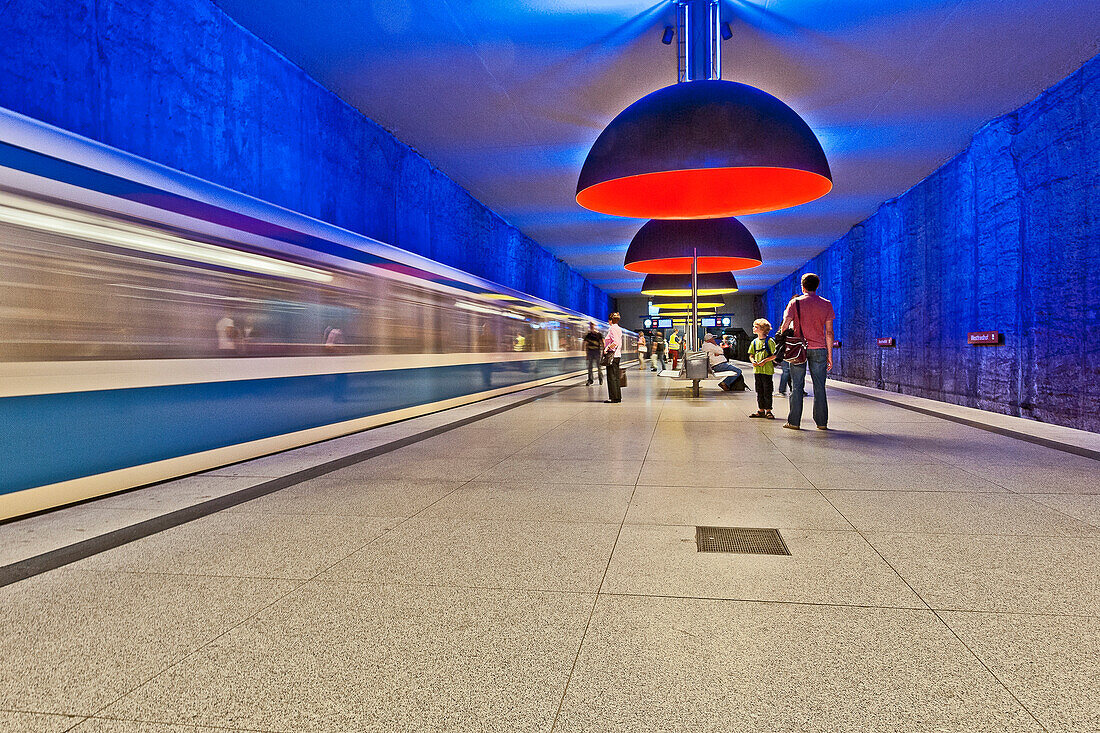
682,265
704,193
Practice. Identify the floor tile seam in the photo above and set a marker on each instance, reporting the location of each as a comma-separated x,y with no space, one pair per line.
175,723
874,428
975,423
358,548
1068,537
68,554
990,671
599,588
881,556
667,485
790,528
1095,534
54,713
765,601
497,521
243,621
394,583
1054,493
184,657
169,574
1056,510
268,512
1030,614
981,492
299,585
815,487
515,520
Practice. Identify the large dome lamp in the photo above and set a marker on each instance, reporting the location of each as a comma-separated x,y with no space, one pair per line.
704,147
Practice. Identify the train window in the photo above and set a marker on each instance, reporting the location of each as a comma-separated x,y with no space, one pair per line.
65,297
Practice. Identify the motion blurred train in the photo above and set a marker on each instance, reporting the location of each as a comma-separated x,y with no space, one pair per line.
153,325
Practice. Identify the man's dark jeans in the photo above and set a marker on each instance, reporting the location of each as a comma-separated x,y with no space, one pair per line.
817,361
594,358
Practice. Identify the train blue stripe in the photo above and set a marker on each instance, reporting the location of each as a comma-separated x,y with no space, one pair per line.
45,439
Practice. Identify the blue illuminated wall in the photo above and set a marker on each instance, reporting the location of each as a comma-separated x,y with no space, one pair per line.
178,82
1004,237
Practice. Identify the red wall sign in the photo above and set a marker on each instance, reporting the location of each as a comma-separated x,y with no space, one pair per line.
984,338
836,344
886,341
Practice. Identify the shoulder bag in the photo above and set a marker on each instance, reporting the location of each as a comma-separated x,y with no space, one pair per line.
794,349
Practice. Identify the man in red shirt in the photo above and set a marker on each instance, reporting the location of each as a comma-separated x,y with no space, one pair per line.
812,317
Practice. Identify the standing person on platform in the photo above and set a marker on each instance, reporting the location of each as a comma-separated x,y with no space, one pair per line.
674,346
593,350
812,317
762,356
613,348
642,351
785,377
657,343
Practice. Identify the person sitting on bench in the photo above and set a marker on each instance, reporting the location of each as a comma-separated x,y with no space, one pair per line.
719,364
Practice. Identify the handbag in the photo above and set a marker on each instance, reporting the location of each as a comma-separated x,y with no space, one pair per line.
794,345
605,359
781,344
622,377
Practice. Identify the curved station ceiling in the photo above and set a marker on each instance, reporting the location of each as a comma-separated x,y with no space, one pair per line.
507,96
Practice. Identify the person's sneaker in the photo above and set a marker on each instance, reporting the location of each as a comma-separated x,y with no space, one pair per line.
590,382
788,426
723,386
822,427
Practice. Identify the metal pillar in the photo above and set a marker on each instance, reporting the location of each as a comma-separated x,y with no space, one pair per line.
698,45
694,299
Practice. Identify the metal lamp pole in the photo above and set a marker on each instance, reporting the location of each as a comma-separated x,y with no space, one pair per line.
694,299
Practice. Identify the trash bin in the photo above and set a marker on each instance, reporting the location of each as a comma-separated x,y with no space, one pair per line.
695,365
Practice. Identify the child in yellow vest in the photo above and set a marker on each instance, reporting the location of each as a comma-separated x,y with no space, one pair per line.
762,356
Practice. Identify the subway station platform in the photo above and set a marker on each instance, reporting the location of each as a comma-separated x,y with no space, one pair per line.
530,563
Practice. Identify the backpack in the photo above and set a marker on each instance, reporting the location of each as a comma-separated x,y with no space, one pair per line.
767,350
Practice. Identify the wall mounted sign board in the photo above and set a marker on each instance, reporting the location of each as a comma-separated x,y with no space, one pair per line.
836,344
886,341
985,338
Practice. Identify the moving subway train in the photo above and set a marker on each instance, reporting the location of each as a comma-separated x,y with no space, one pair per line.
153,325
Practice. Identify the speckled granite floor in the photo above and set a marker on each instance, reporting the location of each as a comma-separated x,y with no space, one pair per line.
536,571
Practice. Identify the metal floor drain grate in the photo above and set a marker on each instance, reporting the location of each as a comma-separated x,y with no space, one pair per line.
751,540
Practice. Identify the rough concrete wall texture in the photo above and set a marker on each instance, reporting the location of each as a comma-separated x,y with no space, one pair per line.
178,82
1004,237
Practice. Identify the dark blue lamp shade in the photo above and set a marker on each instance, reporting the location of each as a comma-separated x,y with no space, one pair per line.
667,246
711,283
682,302
703,149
